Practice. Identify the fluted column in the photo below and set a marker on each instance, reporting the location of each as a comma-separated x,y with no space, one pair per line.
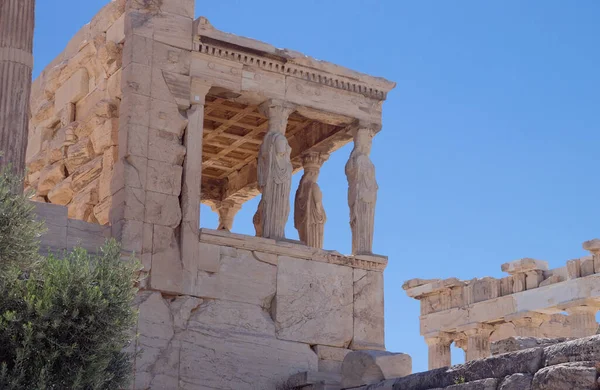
16,63
478,342
362,191
582,320
274,172
439,350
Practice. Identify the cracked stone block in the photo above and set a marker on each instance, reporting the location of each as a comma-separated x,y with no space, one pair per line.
239,278
368,310
313,303
191,343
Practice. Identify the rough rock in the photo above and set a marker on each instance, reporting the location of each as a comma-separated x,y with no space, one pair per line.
576,375
482,384
62,193
512,344
79,154
314,302
369,367
49,177
85,174
105,136
527,361
516,382
585,349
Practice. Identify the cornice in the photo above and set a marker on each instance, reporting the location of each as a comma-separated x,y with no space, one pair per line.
246,51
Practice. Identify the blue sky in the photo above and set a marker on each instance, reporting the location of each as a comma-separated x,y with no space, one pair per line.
490,144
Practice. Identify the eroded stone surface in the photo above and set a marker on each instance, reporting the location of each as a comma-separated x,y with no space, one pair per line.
368,367
578,375
213,344
314,302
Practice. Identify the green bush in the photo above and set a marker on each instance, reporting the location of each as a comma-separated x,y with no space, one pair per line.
66,324
19,230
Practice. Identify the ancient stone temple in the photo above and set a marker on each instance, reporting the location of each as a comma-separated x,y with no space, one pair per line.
148,113
532,301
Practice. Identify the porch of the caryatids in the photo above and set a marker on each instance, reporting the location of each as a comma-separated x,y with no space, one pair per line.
309,214
274,172
362,191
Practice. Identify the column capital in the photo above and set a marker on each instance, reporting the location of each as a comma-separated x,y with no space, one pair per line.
592,246
314,160
477,329
582,310
198,90
277,112
373,126
439,338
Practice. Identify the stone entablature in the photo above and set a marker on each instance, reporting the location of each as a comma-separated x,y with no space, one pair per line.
286,62
532,301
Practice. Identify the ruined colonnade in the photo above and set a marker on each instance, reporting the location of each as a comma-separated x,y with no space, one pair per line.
533,301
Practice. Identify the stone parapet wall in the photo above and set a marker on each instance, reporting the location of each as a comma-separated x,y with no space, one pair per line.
65,234
244,316
567,365
74,127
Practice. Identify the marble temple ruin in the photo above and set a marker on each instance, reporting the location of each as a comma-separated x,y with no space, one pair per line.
533,301
148,113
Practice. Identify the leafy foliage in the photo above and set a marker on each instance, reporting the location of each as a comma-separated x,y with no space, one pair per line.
65,325
19,230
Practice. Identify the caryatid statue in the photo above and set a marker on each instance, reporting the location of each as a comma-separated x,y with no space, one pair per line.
362,192
309,214
274,174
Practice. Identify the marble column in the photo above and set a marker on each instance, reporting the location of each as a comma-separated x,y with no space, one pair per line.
274,172
226,209
362,192
309,214
439,350
192,173
461,343
478,342
16,63
582,320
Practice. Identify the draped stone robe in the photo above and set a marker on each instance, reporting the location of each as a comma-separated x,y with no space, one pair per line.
362,196
309,214
274,181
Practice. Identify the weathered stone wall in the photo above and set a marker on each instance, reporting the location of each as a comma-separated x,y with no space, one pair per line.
64,234
568,365
254,311
73,131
